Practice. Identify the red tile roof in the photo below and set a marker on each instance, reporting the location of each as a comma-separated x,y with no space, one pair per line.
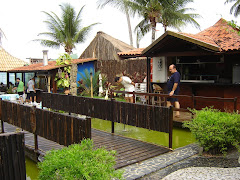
8,62
51,65
224,35
220,37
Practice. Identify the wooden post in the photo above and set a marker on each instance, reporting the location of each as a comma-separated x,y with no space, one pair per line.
112,111
134,97
35,143
68,104
170,126
34,126
148,78
2,123
49,83
235,104
89,130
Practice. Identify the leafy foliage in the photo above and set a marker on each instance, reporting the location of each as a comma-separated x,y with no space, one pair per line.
65,31
170,13
80,162
235,9
214,130
62,77
235,26
85,83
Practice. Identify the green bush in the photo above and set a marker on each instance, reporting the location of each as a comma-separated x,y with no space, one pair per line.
215,131
79,161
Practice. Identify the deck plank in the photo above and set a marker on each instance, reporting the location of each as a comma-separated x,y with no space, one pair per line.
128,150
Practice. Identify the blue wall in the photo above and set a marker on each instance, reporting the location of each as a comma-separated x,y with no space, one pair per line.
82,67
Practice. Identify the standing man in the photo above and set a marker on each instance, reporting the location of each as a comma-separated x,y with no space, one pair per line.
20,89
128,85
173,87
31,90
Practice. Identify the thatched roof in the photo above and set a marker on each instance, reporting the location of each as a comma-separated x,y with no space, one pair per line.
8,62
105,47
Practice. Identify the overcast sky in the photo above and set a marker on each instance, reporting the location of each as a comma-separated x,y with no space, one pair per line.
22,20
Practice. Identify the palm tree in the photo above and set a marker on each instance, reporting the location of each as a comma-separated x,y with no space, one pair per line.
122,5
65,31
149,10
170,13
174,15
235,9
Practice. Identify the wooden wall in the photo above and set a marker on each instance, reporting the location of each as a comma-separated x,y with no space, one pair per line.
12,161
113,67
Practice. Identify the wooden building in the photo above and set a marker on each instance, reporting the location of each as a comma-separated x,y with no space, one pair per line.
208,62
114,56
45,74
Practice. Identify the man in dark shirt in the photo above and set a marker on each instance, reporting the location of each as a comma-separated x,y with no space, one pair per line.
173,87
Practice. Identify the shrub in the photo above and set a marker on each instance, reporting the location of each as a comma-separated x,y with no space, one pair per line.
79,161
215,131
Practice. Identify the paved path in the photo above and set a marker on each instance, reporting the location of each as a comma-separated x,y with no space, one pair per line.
149,166
206,173
185,163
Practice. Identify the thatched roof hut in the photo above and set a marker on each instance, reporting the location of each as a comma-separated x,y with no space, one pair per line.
8,62
105,47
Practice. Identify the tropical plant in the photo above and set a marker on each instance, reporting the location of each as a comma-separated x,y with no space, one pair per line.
121,5
235,9
79,161
215,131
170,13
175,15
62,76
65,31
85,82
149,10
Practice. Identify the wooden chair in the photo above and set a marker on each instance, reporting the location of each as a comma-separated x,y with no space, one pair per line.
158,100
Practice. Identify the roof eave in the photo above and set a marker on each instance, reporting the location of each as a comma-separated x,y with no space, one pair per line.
183,37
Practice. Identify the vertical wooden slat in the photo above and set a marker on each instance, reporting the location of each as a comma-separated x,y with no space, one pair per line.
170,126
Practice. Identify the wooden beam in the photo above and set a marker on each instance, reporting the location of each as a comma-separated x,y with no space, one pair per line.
185,53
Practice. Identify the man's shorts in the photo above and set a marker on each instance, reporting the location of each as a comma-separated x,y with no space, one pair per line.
173,99
20,94
31,94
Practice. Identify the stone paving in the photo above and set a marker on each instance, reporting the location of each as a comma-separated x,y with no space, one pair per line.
186,163
149,166
206,173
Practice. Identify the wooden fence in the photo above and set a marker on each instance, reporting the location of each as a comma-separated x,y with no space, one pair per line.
192,105
12,161
58,127
139,115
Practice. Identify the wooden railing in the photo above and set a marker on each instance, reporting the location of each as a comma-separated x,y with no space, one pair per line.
139,115
61,128
12,161
193,98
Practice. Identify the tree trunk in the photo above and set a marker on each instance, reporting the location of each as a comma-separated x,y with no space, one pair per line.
153,33
73,79
129,26
153,24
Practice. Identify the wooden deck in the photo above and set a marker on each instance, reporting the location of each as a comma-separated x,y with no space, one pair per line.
129,150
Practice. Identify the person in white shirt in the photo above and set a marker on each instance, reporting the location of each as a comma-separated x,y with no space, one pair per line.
31,90
128,85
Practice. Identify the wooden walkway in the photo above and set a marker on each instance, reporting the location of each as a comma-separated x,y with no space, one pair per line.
129,150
